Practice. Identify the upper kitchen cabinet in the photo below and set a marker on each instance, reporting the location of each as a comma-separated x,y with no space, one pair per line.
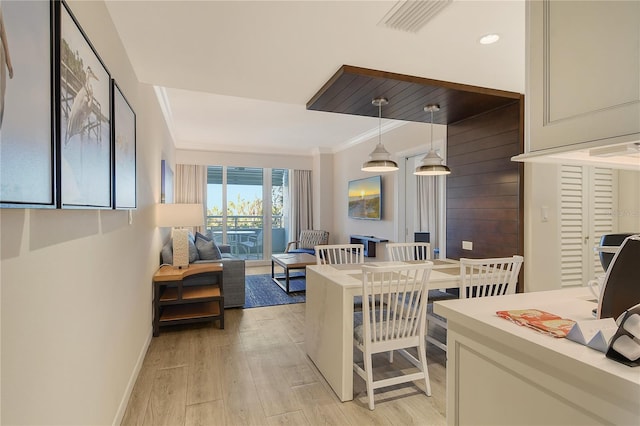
583,74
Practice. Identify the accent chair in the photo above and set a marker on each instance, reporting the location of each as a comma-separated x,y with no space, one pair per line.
309,238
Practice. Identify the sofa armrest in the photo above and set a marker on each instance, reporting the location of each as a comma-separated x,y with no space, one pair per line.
233,280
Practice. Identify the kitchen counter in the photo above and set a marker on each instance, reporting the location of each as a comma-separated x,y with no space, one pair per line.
501,373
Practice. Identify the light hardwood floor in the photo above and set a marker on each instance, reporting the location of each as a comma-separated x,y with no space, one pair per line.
255,372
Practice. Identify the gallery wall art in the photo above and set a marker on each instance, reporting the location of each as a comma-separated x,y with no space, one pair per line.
67,131
27,145
124,150
166,182
85,120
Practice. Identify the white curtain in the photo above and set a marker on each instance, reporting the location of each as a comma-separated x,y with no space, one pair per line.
426,216
191,187
301,203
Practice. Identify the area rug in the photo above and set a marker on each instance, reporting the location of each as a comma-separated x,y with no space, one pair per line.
260,290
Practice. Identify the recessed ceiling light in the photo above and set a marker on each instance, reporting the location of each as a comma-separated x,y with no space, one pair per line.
489,38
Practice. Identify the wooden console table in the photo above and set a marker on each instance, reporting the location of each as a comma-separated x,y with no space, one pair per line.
176,301
369,243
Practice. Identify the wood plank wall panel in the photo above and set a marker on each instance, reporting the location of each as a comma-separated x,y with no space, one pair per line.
484,189
351,89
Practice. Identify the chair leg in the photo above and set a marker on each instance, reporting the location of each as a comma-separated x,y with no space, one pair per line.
422,354
368,367
390,357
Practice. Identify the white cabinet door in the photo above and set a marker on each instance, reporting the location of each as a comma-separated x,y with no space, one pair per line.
587,205
583,73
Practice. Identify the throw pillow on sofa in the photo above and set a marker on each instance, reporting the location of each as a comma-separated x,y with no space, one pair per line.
207,237
224,248
207,248
193,250
167,253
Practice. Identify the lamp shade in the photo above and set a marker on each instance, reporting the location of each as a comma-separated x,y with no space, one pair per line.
432,165
177,215
379,161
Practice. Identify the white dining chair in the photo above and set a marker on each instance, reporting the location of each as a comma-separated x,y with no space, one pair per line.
339,254
387,330
408,251
335,254
481,278
418,251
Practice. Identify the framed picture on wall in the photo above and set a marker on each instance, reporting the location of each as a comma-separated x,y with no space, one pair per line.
27,137
166,182
124,151
84,119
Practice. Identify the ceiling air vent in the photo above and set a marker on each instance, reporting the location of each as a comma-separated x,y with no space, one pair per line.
412,15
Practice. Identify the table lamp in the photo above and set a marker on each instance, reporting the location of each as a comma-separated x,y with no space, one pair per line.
177,216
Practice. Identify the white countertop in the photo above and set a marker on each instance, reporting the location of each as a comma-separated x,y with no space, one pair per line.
563,355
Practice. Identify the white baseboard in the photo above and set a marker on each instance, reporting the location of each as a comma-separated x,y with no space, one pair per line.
132,380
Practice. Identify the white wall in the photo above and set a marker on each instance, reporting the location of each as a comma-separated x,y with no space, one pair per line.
76,284
629,201
541,238
323,199
405,140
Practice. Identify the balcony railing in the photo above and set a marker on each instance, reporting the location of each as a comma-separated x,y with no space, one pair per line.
242,222
241,228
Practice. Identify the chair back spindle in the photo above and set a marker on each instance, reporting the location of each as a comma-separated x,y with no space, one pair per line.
339,254
489,277
404,252
482,278
395,300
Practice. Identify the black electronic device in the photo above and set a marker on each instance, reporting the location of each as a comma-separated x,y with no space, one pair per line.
608,241
621,287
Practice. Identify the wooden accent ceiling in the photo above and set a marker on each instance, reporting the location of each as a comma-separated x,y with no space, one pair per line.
351,90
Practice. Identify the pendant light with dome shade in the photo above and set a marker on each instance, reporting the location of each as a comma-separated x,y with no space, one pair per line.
380,159
431,164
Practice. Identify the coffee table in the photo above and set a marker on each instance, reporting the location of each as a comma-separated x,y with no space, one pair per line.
289,262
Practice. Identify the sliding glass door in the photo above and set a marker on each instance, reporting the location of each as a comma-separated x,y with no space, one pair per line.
247,209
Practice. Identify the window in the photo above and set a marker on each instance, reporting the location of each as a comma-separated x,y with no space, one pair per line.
241,203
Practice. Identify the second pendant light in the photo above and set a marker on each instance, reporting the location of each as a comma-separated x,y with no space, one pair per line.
431,164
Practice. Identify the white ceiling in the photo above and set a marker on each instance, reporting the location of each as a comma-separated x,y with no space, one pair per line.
236,75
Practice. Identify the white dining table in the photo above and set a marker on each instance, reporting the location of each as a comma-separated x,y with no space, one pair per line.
330,293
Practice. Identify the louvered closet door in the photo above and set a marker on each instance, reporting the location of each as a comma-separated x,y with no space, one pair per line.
587,200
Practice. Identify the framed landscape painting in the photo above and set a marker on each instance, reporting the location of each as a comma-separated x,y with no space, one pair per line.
85,120
124,151
27,143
